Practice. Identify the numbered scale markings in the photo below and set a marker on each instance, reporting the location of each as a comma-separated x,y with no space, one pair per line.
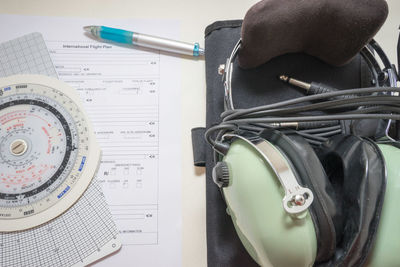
48,153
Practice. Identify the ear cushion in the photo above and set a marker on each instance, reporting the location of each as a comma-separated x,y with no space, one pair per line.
325,212
357,172
331,30
347,176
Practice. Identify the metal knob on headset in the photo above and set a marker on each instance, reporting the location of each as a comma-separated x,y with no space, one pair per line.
220,174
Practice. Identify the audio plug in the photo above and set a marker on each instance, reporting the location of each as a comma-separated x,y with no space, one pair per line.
313,88
310,88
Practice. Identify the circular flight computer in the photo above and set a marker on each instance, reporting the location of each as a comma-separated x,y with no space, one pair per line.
48,152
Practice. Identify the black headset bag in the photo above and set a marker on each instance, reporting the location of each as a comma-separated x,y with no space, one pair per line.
252,87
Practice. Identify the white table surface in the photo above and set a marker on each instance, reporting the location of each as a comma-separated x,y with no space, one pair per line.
194,17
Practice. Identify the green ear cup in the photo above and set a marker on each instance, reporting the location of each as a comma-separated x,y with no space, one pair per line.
273,237
254,198
386,250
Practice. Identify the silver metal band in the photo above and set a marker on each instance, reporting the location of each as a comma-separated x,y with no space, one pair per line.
279,165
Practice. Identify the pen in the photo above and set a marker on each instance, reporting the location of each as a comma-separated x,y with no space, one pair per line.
139,39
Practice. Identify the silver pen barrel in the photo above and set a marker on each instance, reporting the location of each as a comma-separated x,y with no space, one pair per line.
166,44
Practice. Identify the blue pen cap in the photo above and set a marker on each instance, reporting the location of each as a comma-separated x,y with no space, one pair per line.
116,35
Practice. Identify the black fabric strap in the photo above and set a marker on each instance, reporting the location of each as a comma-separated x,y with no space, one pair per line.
199,146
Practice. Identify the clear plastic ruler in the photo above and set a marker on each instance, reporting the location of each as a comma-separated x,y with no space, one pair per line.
85,232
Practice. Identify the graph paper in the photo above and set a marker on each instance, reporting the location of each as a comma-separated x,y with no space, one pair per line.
84,233
26,55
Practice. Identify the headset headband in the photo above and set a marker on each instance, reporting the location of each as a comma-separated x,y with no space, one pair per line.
380,102
387,76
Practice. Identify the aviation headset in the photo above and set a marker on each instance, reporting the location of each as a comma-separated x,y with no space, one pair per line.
300,188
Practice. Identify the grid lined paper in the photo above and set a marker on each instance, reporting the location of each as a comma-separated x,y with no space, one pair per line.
26,55
85,232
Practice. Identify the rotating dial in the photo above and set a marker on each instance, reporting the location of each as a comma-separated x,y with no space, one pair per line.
45,144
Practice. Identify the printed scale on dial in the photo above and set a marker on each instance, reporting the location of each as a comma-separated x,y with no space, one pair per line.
48,154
